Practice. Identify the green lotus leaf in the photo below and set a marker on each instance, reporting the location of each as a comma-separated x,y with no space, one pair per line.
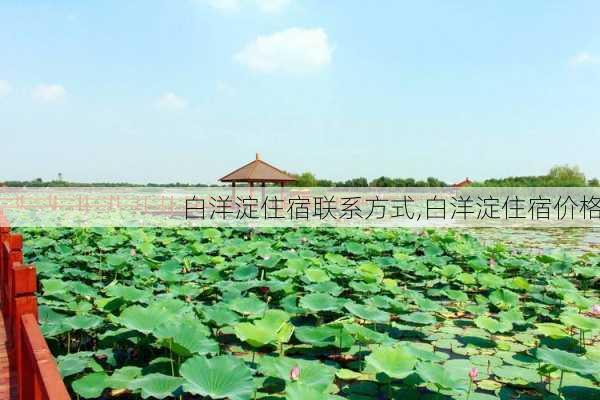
273,327
85,322
316,302
477,309
298,391
274,319
254,334
91,385
423,351
485,361
220,314
128,293
551,330
440,376
323,336
297,265
316,275
54,286
504,298
349,375
492,325
116,260
567,361
450,270
312,373
395,362
71,364
580,301
419,318
248,306
186,337
466,278
490,280
456,295
155,385
580,321
245,272
428,305
363,287
143,319
370,272
355,248
562,284
367,312
482,396
520,283
218,377
516,375
365,335
122,377
513,316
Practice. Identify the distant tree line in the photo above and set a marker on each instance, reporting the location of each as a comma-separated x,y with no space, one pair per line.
558,176
39,182
308,179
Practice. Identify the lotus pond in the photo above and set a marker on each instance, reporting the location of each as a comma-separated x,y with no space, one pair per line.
314,314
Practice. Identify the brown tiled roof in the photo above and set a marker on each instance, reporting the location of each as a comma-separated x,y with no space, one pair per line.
464,183
258,171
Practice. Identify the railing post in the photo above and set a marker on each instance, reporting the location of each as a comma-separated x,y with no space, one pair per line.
44,381
4,234
24,302
15,257
4,263
34,350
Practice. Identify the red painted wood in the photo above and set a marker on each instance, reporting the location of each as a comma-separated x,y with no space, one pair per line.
8,384
27,368
49,381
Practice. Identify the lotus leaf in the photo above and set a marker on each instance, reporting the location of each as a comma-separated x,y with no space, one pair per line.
316,302
493,325
367,312
218,377
311,373
91,385
156,385
567,361
439,376
394,362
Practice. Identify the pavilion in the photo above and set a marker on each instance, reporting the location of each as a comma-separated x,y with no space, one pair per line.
258,172
467,182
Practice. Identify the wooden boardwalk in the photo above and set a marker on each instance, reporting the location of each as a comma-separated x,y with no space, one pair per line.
8,387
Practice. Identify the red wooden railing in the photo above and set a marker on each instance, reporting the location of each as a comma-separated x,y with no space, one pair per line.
37,375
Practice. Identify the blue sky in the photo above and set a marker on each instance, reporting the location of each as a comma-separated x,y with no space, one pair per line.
187,90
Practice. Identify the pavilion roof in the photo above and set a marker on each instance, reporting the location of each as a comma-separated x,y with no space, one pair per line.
258,171
464,183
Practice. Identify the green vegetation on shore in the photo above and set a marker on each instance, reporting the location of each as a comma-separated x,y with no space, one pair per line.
558,176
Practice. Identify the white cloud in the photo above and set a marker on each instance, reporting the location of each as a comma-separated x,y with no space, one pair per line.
584,58
272,6
170,101
5,88
291,50
49,93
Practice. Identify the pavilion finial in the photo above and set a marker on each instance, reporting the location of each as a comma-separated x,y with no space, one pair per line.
257,156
